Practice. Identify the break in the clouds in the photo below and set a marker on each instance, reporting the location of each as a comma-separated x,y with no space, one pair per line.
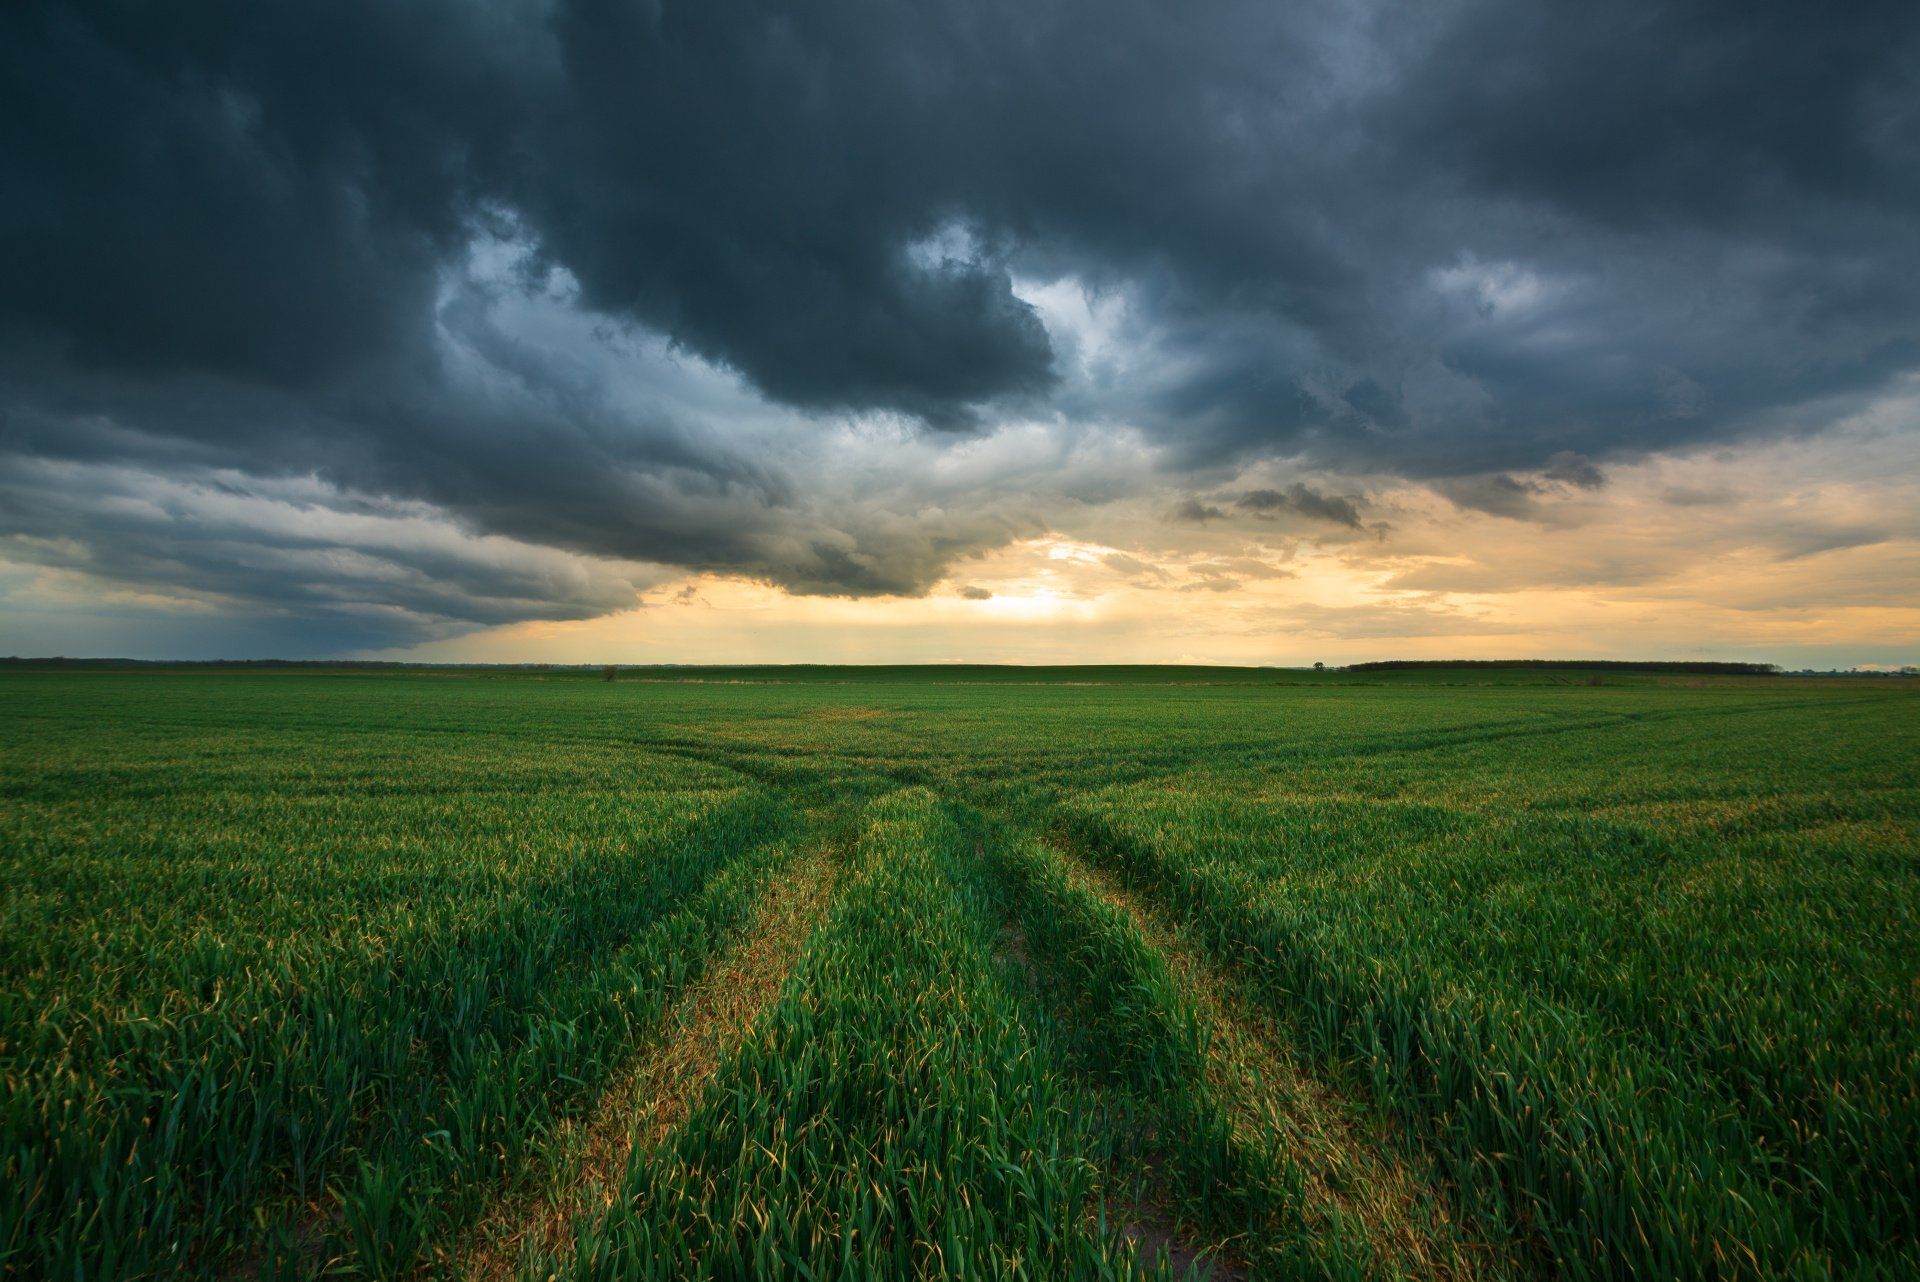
395,321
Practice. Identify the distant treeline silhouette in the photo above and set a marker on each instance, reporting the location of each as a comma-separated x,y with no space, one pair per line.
1707,667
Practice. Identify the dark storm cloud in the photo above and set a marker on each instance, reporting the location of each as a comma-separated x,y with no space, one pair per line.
350,572
1454,242
262,191
1787,108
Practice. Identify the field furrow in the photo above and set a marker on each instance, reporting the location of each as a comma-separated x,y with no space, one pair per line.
1556,1130
643,1101
893,1118
1150,1042
1141,1201
1352,1167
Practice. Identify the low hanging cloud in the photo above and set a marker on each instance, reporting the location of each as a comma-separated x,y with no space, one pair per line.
1521,498
1195,511
1301,500
298,549
724,287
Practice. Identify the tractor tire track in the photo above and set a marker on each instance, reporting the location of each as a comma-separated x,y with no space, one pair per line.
715,1015
1350,1162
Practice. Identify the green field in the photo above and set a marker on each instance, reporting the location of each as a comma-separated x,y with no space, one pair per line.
1012,973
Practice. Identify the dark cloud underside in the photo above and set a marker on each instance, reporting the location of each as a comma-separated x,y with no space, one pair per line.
1301,500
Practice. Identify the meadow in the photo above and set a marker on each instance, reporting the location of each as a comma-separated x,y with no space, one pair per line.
974,973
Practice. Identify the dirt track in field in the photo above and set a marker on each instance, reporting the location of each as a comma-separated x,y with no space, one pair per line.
716,1014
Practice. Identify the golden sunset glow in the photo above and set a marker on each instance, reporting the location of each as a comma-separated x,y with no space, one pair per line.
1673,557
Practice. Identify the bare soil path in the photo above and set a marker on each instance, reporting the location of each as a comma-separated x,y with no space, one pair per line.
715,1015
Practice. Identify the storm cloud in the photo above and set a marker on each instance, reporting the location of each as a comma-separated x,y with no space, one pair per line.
724,286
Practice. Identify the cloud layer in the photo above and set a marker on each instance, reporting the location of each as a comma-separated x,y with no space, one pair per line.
574,296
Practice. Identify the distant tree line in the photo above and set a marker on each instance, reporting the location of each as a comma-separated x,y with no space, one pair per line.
1708,667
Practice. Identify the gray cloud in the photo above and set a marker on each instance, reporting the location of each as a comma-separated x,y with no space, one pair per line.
343,571
618,278
1195,511
1254,568
1570,469
1498,495
1301,500
1521,497
1132,567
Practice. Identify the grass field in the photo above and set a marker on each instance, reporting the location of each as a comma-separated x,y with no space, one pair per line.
1085,974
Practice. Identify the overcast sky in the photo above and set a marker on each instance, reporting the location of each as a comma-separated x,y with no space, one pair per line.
1038,330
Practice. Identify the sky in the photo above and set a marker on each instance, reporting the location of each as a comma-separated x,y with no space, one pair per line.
984,330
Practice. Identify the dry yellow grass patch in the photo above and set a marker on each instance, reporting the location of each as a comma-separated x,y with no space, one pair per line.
859,712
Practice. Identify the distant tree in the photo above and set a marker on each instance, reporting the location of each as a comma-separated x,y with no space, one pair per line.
1319,667
1689,666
